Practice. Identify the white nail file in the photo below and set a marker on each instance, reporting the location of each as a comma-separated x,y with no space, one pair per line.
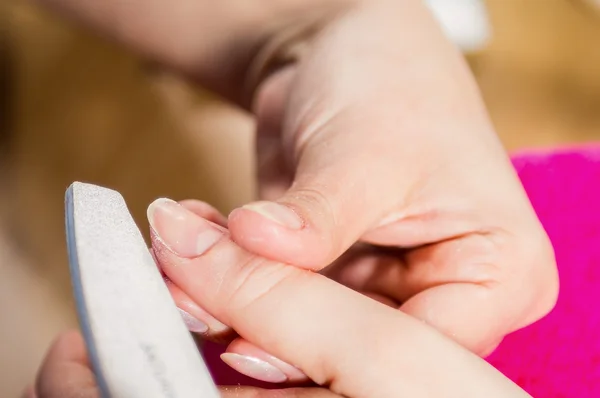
137,341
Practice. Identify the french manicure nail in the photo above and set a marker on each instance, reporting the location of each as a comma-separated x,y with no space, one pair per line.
254,367
180,230
276,212
193,324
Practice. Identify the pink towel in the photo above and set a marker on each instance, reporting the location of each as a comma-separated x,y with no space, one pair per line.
558,356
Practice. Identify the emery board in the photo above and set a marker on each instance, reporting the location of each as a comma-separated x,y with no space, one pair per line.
138,344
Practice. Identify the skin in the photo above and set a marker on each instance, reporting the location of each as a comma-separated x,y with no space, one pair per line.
66,373
384,352
376,138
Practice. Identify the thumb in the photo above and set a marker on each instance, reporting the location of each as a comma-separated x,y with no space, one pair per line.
359,122
337,337
316,220
341,187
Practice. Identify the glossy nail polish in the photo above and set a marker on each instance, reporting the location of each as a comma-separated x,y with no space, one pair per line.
254,367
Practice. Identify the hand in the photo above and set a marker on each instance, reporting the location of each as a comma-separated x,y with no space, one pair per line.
370,129
344,341
66,373
284,316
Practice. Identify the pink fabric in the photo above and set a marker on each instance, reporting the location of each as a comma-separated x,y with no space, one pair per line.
558,356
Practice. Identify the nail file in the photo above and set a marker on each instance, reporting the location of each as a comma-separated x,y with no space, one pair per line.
137,341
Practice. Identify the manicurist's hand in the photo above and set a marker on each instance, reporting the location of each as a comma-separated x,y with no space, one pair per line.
348,344
371,131
292,322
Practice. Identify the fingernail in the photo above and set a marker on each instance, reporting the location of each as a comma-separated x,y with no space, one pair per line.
280,214
180,230
193,324
254,367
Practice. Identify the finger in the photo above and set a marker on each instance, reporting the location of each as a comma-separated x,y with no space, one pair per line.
254,362
362,142
365,269
485,287
241,355
196,319
372,272
475,314
66,372
29,393
205,210
472,288
331,202
324,329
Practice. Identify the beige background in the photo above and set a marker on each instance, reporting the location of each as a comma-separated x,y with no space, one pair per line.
85,110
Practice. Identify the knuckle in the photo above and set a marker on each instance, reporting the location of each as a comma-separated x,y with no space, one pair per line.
318,208
313,197
256,280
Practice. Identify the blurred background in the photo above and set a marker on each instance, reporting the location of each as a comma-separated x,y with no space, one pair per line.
74,107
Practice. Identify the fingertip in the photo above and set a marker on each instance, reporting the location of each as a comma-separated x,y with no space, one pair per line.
243,348
205,210
472,315
65,371
254,368
69,346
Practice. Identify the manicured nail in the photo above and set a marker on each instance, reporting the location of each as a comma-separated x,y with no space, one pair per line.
254,367
280,214
180,230
193,324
